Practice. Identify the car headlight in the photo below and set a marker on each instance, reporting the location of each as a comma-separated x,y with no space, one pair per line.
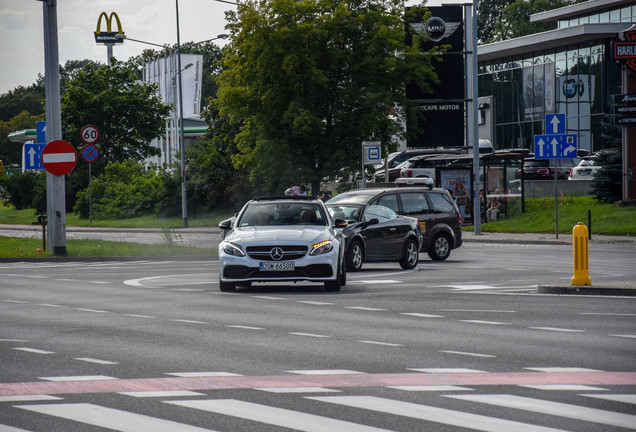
322,247
233,249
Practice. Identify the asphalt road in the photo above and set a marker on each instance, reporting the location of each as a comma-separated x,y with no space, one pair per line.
465,344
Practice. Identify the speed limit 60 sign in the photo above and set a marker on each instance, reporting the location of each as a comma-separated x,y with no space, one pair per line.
89,134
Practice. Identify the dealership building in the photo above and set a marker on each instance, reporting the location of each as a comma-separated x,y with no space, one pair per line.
569,70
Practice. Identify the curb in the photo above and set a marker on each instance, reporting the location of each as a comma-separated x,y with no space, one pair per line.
616,289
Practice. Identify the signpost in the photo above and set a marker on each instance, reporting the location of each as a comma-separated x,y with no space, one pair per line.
90,153
555,144
371,154
59,157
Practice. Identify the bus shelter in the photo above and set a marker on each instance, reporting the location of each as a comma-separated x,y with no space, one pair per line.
500,175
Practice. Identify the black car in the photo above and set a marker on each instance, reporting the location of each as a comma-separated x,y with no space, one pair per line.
543,169
376,233
437,213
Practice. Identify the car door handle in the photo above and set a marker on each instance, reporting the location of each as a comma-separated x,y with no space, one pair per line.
392,229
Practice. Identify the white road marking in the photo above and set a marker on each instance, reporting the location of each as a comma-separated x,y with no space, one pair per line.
326,372
78,378
606,314
269,297
90,310
380,343
188,321
317,303
556,329
477,310
364,308
50,305
421,315
554,408
161,394
568,387
447,370
92,360
625,398
470,287
431,388
27,398
432,414
470,354
33,350
484,322
561,369
109,418
309,335
624,336
298,390
15,301
280,417
245,327
375,282
202,374
138,316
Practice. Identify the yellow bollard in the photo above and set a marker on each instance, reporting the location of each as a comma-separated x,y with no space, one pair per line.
580,249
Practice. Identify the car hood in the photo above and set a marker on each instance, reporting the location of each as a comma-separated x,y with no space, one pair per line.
307,234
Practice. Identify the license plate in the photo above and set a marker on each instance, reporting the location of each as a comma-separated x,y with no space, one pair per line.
277,266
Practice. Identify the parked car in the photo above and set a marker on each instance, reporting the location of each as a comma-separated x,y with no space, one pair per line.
437,213
424,166
394,172
375,233
282,239
398,158
543,169
585,170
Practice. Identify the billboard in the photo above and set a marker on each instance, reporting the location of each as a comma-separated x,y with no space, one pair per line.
440,114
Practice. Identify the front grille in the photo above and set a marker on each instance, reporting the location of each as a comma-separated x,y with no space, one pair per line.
290,252
299,273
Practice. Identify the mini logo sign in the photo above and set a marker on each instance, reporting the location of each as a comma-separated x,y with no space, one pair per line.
626,51
436,28
109,36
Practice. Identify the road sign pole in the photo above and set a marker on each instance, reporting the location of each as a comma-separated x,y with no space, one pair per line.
556,199
55,186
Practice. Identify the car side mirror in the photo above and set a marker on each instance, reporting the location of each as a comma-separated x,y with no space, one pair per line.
340,223
373,221
226,224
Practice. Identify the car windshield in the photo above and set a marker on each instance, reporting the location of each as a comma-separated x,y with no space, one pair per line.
282,213
347,211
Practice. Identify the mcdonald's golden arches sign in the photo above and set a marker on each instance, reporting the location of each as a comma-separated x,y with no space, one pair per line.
109,36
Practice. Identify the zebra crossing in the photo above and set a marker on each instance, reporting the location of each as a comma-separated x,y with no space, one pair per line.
328,410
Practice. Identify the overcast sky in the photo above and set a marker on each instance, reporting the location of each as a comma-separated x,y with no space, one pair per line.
21,30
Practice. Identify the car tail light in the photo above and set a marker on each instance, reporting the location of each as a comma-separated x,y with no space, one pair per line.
543,171
571,172
409,173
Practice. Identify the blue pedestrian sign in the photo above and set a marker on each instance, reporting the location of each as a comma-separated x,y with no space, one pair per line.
40,128
32,156
555,146
555,124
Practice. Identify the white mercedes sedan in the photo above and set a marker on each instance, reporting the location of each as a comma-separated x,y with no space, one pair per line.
282,239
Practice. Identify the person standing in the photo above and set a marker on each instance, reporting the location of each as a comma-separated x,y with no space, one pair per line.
325,194
460,194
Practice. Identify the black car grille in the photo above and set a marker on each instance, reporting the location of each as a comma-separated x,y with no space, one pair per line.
310,271
263,253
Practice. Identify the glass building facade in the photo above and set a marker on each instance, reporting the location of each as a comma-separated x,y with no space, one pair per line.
577,79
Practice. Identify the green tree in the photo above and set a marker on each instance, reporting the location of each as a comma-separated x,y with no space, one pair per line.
128,113
515,19
607,185
308,80
489,13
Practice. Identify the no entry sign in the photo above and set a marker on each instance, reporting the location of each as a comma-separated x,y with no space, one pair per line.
59,157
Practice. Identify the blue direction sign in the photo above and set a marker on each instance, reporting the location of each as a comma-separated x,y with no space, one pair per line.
555,123
555,146
32,156
40,128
